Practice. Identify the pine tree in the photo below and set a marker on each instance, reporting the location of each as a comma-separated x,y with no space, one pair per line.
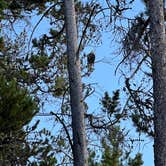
158,50
17,109
114,150
76,96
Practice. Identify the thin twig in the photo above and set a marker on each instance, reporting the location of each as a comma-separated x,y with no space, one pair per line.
65,128
46,12
85,29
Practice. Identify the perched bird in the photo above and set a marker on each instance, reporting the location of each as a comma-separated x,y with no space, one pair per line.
90,61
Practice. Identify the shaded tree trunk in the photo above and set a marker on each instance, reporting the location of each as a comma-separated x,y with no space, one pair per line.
158,49
76,100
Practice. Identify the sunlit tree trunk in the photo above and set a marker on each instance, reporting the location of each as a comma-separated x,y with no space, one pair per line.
158,45
78,126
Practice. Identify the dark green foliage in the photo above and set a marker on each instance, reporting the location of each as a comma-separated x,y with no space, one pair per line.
92,158
59,86
114,152
39,62
111,106
16,107
28,5
143,124
3,5
1,42
51,161
137,161
111,155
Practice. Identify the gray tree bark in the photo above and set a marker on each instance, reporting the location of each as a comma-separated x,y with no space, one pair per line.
158,50
76,99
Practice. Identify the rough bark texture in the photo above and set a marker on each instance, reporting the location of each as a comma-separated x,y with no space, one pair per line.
79,141
158,44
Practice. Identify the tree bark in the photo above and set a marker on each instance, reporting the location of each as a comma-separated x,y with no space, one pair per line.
158,50
76,99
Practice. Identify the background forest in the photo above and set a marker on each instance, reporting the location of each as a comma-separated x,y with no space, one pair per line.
35,112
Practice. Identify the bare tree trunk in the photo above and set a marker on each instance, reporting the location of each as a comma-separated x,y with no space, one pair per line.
76,100
158,45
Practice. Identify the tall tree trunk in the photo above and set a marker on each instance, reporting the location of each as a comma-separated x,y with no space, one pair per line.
76,100
158,45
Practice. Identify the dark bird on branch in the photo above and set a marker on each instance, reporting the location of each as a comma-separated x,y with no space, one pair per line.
90,61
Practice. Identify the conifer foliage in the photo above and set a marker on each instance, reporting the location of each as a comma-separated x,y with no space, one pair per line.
17,109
